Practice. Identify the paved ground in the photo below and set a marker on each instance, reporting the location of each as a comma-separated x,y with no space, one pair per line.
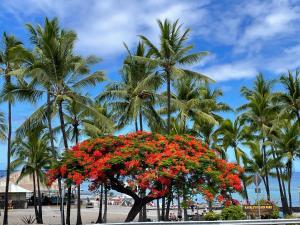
51,214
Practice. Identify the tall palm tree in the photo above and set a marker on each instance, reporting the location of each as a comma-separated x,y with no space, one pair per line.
233,134
172,53
291,98
259,112
287,143
61,73
33,154
7,65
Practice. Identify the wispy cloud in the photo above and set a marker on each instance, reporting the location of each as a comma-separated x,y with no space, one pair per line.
247,36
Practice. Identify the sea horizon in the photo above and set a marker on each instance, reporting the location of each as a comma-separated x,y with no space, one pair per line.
274,190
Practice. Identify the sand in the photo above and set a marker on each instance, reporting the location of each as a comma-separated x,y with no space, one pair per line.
51,214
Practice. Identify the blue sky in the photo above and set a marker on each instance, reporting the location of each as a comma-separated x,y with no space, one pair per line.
243,37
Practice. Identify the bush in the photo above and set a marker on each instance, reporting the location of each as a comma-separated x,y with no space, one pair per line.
233,212
211,216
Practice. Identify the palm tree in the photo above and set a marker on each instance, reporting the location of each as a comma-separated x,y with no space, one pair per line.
172,53
257,164
233,134
259,113
77,117
8,64
287,144
33,154
291,98
60,72
133,98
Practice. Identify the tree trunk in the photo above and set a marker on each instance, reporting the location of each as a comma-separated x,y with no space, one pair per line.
69,196
40,198
100,220
141,121
290,166
158,210
170,198
37,215
5,216
136,208
136,125
283,198
169,102
243,177
65,139
105,204
61,205
185,214
163,208
266,172
179,211
78,220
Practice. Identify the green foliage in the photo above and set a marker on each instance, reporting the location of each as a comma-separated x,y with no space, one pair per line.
211,216
275,213
233,212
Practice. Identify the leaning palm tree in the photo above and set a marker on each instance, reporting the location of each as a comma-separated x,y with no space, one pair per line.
172,53
7,61
291,98
33,154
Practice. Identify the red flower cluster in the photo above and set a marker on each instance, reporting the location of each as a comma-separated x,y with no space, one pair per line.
152,162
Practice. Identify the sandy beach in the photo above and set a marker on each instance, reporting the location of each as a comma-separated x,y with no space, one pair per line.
51,214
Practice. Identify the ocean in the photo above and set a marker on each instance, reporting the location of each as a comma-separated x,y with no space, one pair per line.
275,196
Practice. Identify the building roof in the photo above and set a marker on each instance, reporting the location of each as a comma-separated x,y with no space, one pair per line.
13,188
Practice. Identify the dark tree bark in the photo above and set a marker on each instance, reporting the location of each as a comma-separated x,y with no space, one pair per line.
100,219
65,140
5,216
158,210
61,205
37,215
105,204
78,220
40,198
163,208
169,101
169,200
185,214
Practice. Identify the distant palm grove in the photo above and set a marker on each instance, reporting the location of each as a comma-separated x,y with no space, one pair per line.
157,92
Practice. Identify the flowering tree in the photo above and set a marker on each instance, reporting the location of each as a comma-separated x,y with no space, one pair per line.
152,163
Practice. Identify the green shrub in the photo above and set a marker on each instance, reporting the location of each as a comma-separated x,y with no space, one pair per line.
275,212
233,212
211,216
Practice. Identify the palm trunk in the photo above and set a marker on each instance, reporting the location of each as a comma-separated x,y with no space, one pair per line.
283,198
266,172
163,208
158,210
179,211
290,166
105,205
185,214
5,216
37,215
78,220
169,102
65,139
54,154
170,198
141,121
243,177
100,220
69,196
40,198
